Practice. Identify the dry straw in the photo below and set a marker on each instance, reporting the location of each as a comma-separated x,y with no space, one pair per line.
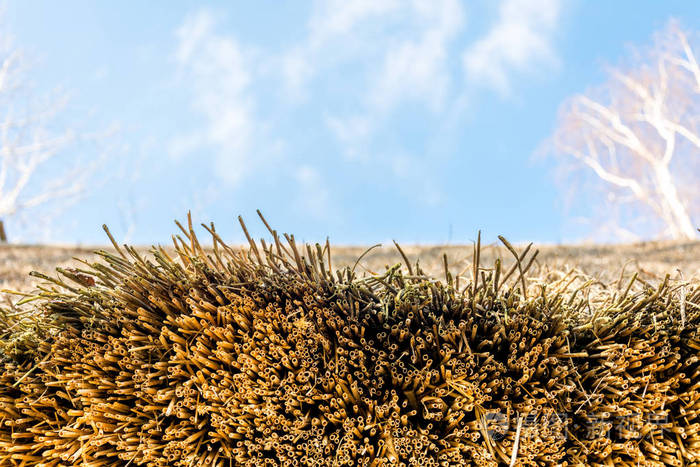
268,356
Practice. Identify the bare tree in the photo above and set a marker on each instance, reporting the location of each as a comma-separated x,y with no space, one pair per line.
35,165
637,136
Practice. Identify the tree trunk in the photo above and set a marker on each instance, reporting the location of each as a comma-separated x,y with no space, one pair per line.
682,224
3,237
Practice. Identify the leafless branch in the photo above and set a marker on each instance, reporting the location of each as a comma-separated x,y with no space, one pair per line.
35,166
638,132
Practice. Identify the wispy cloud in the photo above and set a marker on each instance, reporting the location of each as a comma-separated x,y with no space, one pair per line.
333,37
336,18
399,52
358,66
220,74
415,66
521,40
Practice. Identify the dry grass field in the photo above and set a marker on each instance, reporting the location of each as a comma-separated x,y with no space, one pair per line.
608,263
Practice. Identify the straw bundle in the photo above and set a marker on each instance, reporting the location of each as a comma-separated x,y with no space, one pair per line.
270,357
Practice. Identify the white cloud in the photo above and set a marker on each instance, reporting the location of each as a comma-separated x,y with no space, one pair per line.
333,36
520,41
222,75
358,64
402,47
335,18
398,52
218,70
401,50
418,68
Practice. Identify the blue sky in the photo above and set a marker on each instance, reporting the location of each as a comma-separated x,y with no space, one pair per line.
362,120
